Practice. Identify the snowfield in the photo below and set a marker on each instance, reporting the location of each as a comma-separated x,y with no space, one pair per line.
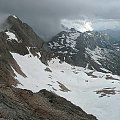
95,92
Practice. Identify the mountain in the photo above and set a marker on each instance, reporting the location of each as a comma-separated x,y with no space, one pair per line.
51,81
19,38
22,104
91,49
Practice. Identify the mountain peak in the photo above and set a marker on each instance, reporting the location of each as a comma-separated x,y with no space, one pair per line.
14,16
82,49
12,19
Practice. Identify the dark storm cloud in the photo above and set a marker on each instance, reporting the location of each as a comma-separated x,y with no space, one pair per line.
44,15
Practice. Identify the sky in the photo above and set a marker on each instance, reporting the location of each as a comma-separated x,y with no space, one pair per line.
45,15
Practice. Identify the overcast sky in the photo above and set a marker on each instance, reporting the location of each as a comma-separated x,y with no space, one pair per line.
44,15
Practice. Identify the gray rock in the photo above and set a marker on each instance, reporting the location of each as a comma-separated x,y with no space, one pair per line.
17,104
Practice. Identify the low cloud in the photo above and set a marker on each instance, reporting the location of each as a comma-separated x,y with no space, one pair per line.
45,15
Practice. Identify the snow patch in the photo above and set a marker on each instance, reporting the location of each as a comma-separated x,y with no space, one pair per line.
11,36
81,86
14,16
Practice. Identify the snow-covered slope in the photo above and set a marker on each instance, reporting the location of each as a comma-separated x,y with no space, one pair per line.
95,92
27,58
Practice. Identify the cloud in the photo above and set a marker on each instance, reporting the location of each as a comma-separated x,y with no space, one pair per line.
3,17
44,15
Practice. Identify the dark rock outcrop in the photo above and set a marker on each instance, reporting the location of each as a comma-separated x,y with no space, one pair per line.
20,104
27,38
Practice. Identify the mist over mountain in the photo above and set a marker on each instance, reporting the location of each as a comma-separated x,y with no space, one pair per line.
45,16
91,24
83,24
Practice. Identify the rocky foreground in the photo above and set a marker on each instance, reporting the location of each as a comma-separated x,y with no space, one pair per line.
17,104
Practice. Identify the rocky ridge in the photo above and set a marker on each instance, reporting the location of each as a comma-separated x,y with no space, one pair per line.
17,104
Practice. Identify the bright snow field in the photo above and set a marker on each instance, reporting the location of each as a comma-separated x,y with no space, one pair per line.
95,92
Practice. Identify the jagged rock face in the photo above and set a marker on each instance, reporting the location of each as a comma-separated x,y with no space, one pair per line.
64,45
26,38
95,39
25,33
18,38
89,49
6,61
23,104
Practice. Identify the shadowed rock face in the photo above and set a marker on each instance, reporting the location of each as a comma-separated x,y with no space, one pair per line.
25,33
27,38
6,61
27,41
20,104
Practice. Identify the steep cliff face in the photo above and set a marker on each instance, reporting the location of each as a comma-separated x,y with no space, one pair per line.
27,39
19,38
6,61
